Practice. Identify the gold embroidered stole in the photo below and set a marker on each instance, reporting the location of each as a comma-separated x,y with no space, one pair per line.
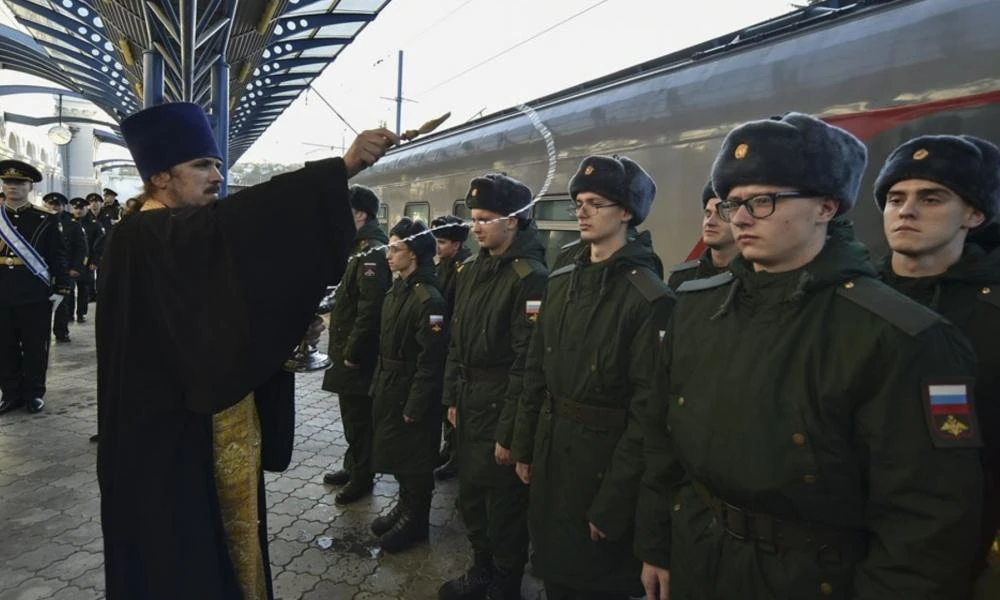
236,454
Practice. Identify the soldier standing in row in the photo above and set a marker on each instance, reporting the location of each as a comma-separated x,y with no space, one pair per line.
720,247
32,267
788,453
95,233
76,260
938,195
111,211
353,346
496,304
96,203
451,253
407,391
578,439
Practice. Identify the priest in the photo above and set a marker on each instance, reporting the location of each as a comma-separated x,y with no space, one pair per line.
202,300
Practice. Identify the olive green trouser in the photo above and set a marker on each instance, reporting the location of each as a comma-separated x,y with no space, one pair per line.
496,519
359,431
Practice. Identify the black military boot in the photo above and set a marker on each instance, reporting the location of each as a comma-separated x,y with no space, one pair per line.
338,478
411,528
381,525
473,584
354,491
505,584
445,455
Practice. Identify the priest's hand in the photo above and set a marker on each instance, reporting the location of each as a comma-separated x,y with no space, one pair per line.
367,148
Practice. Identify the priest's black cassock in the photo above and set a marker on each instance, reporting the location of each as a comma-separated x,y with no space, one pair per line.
199,309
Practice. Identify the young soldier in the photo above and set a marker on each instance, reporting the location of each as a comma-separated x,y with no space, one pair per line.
720,247
96,202
95,243
934,191
496,305
407,390
451,252
354,322
111,212
75,240
788,453
32,267
589,374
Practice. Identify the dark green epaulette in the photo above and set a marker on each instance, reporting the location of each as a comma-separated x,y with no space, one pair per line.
876,297
990,295
525,266
465,262
697,285
562,271
684,266
649,285
425,293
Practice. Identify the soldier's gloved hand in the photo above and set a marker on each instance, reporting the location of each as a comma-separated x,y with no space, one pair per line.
453,416
524,472
656,581
502,455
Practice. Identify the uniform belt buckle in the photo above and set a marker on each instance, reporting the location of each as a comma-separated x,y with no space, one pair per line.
735,521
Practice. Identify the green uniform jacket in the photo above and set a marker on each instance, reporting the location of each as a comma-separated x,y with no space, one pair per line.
447,270
594,345
693,269
801,395
354,316
568,252
490,330
413,342
968,295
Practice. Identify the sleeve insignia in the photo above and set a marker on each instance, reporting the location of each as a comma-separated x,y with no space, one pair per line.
531,309
951,415
436,322
369,269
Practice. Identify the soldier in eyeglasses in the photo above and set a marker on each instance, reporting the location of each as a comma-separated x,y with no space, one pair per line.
793,450
720,247
497,294
578,440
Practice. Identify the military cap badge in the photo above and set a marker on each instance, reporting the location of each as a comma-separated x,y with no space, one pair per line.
741,151
920,154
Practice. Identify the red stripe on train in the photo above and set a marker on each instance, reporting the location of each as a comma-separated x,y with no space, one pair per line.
867,125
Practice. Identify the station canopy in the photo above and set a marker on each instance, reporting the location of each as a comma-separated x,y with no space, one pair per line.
274,49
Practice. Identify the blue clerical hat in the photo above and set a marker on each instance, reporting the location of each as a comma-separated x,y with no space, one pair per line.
167,135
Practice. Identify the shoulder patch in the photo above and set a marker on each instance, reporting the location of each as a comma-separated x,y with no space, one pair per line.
423,292
951,412
684,266
649,285
561,271
525,266
874,296
990,295
697,285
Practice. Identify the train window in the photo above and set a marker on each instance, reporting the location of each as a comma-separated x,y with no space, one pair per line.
554,240
554,210
418,210
383,213
460,210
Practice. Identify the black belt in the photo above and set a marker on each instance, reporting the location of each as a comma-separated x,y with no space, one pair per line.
589,414
397,366
496,373
770,532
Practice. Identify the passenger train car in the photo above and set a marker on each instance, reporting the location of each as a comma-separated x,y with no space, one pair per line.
886,70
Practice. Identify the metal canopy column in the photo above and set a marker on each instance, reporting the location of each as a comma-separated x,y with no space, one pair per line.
152,78
220,114
188,44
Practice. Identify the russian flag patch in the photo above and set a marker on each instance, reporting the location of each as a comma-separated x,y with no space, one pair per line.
531,309
951,414
436,323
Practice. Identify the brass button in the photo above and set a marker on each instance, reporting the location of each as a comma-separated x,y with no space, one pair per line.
680,401
849,284
677,507
798,439
987,290
810,479
634,271
826,588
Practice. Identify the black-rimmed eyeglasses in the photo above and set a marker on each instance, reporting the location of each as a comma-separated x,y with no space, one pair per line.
759,206
588,207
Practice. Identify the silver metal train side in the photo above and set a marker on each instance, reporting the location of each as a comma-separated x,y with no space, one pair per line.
886,70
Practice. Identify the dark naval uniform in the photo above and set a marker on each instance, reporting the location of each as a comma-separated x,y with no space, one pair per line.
96,235
412,345
588,378
968,295
25,308
110,214
494,316
354,332
796,448
700,268
75,239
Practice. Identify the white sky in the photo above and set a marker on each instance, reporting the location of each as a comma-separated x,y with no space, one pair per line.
444,42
